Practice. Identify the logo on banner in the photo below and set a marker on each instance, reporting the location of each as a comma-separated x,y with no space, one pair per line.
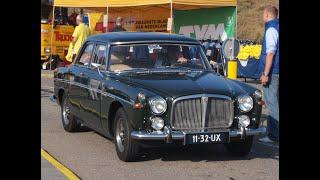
206,31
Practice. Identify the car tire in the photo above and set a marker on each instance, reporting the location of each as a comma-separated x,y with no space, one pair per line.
70,124
126,147
240,147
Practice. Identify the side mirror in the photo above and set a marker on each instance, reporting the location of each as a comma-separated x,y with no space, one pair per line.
230,48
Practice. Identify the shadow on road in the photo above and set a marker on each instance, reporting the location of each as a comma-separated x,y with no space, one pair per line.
83,128
201,153
215,152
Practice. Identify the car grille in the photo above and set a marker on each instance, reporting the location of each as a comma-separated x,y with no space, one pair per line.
202,112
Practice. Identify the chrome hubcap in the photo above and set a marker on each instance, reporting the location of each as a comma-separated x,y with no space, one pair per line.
66,114
120,135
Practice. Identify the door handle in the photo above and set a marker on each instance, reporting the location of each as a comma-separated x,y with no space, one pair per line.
81,74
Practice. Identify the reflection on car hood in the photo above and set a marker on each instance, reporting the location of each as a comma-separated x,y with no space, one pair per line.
177,84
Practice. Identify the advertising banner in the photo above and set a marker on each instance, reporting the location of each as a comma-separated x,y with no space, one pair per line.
202,24
151,20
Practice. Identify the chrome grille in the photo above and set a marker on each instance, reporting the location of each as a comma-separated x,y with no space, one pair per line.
201,112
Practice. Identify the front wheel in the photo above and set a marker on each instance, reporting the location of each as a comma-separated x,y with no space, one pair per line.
240,147
126,147
70,124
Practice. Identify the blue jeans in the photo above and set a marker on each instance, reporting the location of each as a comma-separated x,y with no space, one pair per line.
271,97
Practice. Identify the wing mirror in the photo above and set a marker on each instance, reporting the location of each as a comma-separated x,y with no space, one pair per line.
230,48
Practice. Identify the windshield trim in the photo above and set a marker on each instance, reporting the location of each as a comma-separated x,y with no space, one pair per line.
155,41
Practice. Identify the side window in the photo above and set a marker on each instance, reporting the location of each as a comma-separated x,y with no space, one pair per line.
118,60
99,56
86,55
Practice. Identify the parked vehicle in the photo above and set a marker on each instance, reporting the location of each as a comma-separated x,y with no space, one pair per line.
151,89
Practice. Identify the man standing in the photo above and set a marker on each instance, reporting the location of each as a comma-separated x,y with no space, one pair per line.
80,34
269,66
119,25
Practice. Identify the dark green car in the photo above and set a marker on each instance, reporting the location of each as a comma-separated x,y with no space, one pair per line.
155,89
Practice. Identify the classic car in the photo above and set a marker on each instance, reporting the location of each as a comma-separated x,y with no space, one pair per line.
141,89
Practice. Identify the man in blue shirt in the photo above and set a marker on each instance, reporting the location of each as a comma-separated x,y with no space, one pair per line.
269,66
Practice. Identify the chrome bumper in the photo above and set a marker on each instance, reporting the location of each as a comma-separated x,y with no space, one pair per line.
178,135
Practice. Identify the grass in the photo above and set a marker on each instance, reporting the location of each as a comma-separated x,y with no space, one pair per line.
250,24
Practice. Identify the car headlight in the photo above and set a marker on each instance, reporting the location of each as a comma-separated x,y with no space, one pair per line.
158,105
157,123
244,120
47,50
141,97
258,94
245,103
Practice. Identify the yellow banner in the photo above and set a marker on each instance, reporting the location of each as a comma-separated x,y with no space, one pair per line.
94,18
153,20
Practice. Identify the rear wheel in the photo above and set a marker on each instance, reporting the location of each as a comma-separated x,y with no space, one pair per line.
69,123
126,147
240,147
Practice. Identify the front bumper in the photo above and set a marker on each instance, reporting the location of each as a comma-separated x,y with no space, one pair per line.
169,135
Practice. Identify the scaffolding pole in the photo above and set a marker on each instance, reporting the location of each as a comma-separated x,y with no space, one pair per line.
52,32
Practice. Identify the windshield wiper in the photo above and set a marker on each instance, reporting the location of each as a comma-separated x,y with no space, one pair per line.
183,68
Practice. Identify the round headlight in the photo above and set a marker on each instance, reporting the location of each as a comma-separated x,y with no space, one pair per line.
158,105
244,120
258,94
157,123
245,103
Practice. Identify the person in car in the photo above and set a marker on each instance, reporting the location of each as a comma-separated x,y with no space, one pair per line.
173,56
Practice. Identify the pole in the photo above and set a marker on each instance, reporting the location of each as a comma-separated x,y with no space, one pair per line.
171,16
107,19
52,32
236,22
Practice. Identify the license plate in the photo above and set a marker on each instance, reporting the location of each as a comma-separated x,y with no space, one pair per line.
206,138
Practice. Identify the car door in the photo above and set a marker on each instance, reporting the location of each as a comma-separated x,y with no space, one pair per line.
92,110
79,81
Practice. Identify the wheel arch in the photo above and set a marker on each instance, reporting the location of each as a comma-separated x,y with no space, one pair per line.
114,106
61,91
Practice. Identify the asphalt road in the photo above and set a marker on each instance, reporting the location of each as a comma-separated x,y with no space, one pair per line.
92,156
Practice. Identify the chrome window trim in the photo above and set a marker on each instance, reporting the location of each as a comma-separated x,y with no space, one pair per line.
200,96
131,102
103,67
154,41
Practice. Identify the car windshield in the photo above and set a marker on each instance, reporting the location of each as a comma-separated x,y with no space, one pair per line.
156,57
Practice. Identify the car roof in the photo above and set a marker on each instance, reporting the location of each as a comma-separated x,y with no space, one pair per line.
131,37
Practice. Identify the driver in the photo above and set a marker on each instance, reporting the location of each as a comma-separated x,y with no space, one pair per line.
175,55
172,57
